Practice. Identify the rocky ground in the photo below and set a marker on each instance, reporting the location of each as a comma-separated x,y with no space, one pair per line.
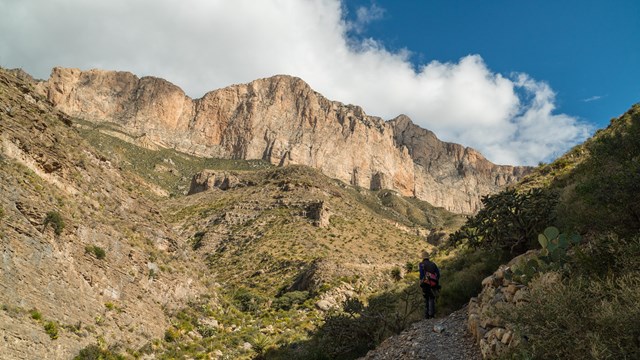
435,339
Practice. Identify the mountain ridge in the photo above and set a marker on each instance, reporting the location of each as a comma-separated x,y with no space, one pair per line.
282,120
96,259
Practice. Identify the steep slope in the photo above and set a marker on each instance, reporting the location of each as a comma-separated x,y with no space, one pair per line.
82,247
584,284
282,120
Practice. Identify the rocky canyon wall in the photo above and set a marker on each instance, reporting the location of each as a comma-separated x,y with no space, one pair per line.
283,121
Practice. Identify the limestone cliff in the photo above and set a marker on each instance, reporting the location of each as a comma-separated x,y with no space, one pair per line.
283,121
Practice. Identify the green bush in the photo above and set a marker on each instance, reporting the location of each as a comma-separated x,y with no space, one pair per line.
97,251
171,335
35,314
247,301
95,352
509,220
260,343
461,276
605,255
52,329
593,313
580,318
290,299
54,218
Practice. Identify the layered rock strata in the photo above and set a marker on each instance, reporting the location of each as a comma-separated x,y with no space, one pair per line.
283,121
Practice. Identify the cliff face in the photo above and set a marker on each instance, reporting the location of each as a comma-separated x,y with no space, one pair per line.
283,121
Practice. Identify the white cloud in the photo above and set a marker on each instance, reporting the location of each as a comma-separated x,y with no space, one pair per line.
206,44
364,16
593,98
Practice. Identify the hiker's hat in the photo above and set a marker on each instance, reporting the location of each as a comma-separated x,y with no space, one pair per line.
425,254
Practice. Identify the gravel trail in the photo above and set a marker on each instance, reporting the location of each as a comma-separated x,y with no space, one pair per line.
434,339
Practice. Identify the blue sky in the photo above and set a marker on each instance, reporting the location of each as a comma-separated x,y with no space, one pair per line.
520,81
588,50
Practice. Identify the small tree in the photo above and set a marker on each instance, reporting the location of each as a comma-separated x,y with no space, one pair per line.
509,220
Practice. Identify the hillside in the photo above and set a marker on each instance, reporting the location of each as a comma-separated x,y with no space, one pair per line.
580,273
83,247
114,245
281,120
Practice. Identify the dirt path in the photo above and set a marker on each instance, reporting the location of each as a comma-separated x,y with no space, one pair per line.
423,340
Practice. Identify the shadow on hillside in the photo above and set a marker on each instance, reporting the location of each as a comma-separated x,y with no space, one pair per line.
358,328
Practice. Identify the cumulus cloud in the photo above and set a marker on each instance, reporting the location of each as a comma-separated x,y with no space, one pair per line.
202,45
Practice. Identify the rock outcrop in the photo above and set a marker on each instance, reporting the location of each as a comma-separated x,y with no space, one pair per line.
499,291
209,179
283,121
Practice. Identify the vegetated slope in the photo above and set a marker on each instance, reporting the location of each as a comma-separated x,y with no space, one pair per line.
86,256
281,120
282,246
588,289
598,181
104,252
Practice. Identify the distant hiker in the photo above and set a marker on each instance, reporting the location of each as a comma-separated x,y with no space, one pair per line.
430,284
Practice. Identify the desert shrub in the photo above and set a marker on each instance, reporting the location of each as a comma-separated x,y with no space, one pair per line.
1,212
246,300
55,220
396,273
171,335
97,251
580,318
52,329
207,331
410,267
35,314
290,299
605,255
95,352
593,313
509,220
461,276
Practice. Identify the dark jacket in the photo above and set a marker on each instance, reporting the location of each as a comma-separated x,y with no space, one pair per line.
427,268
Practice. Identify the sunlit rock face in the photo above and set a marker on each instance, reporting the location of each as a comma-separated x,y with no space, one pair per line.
283,121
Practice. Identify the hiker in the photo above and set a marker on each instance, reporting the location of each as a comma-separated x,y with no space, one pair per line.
430,284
